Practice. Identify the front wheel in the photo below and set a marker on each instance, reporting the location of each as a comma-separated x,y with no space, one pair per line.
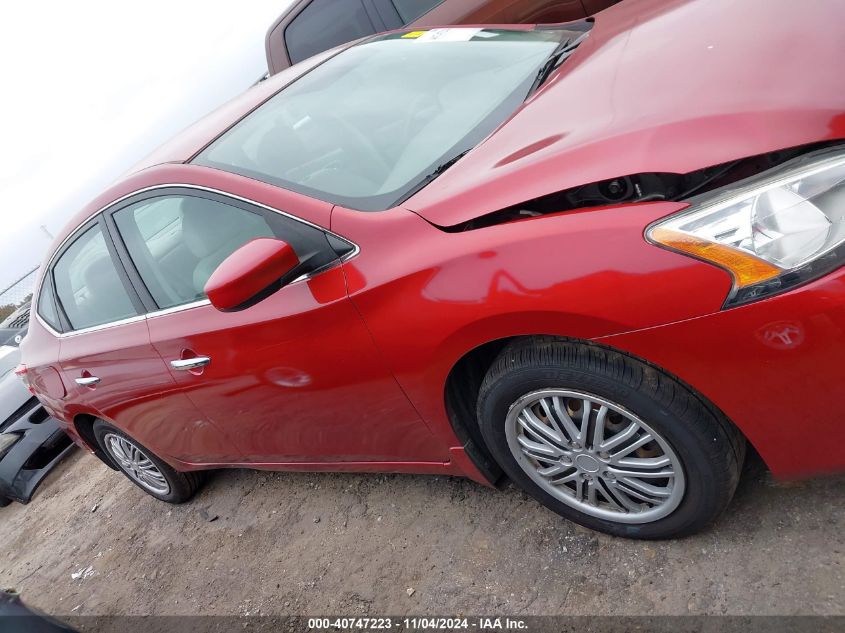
608,441
143,468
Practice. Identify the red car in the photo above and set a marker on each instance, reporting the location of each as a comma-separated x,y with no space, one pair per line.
597,259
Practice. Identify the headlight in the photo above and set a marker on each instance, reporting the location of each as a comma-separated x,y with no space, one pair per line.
772,232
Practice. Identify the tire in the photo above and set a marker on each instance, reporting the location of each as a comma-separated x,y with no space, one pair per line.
699,448
4,501
180,487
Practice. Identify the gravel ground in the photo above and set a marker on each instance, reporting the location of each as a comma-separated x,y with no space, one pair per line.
346,544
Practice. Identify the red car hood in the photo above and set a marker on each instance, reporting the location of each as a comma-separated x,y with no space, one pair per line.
660,86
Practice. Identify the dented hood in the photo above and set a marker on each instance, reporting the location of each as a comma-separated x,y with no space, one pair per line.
660,86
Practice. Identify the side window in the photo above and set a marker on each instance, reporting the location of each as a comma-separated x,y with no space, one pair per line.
46,304
410,10
177,241
87,283
324,24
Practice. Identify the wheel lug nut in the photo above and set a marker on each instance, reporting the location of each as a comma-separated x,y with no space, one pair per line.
604,455
609,475
565,460
576,445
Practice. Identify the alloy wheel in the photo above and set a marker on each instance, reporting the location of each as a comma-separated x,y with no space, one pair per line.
134,462
594,455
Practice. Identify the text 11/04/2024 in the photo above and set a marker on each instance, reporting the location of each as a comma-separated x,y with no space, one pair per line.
422,623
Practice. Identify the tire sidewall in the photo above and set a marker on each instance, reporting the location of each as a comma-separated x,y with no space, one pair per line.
702,496
178,490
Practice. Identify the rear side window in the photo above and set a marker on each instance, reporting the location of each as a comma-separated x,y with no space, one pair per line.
176,242
88,285
47,305
324,24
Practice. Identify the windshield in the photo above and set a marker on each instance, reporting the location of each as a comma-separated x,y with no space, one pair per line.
373,124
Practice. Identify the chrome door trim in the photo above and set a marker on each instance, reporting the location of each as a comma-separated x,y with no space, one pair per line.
87,381
187,364
93,328
179,308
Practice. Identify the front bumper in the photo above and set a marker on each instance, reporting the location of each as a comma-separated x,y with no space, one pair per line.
776,368
41,446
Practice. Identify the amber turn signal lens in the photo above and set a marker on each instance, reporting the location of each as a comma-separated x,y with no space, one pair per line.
746,269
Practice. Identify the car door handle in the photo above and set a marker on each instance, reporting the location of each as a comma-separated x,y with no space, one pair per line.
87,381
186,364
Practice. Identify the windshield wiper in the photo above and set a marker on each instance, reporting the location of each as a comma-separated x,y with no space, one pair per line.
558,56
426,180
444,166
563,50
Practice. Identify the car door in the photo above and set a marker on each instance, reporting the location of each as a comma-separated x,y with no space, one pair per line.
295,378
108,365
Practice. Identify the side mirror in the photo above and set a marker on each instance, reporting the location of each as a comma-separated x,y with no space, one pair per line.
253,272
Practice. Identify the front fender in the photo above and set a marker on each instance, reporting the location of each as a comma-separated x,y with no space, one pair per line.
429,296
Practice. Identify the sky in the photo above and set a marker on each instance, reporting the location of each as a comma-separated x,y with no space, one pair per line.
88,88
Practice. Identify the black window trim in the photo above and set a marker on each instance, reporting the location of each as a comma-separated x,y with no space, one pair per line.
124,258
98,217
49,285
389,15
227,199
64,322
375,16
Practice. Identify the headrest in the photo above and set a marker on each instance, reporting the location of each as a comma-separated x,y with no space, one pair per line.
100,276
207,225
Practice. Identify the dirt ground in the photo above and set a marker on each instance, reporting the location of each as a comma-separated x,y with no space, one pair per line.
345,544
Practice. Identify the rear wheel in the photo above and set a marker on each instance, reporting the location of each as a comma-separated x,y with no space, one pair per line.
608,441
143,468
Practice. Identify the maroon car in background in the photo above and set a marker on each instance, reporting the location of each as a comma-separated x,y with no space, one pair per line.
309,27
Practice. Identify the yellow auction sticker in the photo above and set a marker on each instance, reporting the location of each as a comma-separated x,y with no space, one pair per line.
413,35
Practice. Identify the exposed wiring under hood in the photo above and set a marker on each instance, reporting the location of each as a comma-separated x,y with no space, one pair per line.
638,188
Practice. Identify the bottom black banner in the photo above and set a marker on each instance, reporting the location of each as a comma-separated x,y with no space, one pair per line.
419,623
